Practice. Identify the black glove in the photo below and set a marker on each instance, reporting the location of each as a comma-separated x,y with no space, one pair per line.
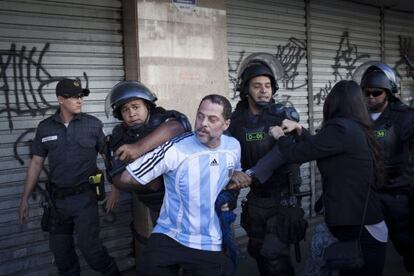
117,166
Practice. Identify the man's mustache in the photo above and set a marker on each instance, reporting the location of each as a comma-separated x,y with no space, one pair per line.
203,129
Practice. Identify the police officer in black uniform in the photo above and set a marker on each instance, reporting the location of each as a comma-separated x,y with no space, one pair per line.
394,129
265,201
144,127
71,140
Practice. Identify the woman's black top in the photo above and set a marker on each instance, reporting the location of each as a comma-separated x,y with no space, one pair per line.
345,162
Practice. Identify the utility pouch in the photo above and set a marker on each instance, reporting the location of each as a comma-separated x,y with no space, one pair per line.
52,220
289,224
54,223
98,183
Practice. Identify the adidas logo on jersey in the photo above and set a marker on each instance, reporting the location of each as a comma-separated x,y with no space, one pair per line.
214,162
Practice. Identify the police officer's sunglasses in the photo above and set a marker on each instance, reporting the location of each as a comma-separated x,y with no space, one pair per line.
374,93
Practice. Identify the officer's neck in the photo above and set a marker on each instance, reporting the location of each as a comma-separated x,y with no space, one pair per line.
66,116
254,108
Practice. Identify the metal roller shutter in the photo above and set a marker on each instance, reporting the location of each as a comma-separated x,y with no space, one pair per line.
344,35
41,42
276,27
399,41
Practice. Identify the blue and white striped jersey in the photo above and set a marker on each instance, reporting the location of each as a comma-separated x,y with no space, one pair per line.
194,175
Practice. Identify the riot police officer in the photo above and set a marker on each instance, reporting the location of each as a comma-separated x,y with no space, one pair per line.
144,127
260,214
394,129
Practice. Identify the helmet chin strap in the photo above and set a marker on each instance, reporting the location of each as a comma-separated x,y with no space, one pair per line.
261,104
137,126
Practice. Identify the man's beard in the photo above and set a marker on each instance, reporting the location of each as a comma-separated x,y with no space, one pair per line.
259,104
206,136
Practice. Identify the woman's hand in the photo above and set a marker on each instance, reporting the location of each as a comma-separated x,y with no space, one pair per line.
289,126
276,132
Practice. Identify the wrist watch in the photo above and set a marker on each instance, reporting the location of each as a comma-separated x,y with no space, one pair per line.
250,172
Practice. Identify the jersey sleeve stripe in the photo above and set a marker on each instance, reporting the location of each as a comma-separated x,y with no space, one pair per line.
157,156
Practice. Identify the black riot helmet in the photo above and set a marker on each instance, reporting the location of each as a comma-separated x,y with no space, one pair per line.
124,92
258,64
375,74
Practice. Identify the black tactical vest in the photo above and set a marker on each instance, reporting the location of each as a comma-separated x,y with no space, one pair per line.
248,129
388,131
123,134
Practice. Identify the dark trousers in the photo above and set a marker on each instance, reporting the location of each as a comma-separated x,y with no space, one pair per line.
397,210
272,255
81,213
373,251
165,256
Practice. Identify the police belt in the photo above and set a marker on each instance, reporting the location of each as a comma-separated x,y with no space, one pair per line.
62,192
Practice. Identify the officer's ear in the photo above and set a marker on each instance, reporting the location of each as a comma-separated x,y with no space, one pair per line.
60,99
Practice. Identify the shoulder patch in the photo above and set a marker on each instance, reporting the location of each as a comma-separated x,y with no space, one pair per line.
49,138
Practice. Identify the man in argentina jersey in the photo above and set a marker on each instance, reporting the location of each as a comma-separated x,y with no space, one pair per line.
196,166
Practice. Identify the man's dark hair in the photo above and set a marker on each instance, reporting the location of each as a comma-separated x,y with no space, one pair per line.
220,100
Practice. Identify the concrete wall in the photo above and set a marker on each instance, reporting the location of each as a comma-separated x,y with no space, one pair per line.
182,53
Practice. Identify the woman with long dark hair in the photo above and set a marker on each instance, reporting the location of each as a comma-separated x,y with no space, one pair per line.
349,160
